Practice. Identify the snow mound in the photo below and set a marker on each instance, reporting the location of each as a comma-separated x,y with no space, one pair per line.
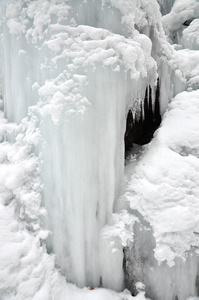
165,183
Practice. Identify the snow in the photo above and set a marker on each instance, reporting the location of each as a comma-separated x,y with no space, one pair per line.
69,73
165,182
190,35
27,271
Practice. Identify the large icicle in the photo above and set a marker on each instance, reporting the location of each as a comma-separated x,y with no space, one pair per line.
78,81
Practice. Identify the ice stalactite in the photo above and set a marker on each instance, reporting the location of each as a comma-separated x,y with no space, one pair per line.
141,126
161,194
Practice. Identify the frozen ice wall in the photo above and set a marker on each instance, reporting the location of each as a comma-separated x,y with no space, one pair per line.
161,180
162,200
75,68
166,6
71,70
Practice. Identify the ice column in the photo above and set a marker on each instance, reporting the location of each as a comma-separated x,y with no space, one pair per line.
79,82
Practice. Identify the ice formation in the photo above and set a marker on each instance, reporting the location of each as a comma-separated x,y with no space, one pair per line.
70,211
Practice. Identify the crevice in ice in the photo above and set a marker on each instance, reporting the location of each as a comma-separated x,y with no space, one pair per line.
197,283
140,129
188,22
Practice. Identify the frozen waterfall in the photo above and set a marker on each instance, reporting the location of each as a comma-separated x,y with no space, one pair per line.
72,209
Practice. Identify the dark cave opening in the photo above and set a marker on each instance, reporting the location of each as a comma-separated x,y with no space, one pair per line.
140,130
